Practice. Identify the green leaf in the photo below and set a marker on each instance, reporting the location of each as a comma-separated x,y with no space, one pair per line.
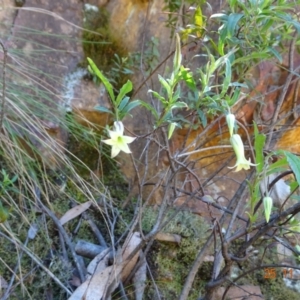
166,117
131,106
150,108
220,61
259,148
165,84
125,89
123,103
231,101
202,117
252,56
188,78
103,109
159,97
279,166
177,55
105,81
178,105
276,54
177,94
227,79
232,23
294,162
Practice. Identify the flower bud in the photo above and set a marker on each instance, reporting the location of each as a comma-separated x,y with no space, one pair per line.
268,204
230,119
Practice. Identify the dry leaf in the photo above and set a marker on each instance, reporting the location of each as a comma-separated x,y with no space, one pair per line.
102,282
134,241
95,288
99,263
74,212
168,237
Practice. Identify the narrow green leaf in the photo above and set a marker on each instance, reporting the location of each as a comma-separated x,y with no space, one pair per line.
202,117
276,54
158,96
123,103
103,109
150,108
165,85
254,55
278,166
177,55
125,89
227,79
178,105
104,80
177,94
131,106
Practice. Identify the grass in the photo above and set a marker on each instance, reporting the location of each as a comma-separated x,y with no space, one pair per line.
34,147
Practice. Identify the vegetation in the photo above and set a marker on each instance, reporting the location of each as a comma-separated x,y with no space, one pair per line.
206,96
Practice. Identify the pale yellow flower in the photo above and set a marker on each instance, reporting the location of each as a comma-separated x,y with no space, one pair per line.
238,147
118,141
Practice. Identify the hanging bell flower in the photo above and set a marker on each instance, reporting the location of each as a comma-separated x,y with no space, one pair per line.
238,147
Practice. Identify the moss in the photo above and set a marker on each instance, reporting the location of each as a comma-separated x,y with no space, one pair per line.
171,263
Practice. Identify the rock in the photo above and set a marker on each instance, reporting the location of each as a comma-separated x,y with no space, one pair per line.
249,292
81,98
7,15
51,53
42,42
285,255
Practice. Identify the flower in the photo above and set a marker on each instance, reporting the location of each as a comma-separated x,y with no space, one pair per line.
268,204
238,147
118,141
230,119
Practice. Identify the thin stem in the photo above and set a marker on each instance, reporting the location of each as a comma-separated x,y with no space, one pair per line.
3,82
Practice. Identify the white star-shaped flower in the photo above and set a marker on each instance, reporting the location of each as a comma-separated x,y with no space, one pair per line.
118,141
